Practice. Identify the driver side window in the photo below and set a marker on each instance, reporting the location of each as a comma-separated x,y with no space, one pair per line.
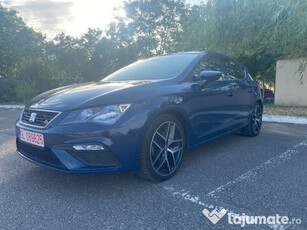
207,63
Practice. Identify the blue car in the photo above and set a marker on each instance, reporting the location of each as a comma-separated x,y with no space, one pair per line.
141,118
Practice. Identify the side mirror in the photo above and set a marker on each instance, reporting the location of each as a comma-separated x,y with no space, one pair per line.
2,76
210,75
205,77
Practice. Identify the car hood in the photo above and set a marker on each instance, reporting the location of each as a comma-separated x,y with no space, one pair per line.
88,94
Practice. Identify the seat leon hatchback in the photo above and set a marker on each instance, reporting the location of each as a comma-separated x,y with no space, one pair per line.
143,117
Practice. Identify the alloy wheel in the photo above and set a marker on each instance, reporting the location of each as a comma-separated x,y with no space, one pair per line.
256,118
166,148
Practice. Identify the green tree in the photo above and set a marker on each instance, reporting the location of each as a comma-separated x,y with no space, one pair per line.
151,27
17,41
18,44
255,32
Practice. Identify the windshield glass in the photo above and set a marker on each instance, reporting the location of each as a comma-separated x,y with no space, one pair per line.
162,67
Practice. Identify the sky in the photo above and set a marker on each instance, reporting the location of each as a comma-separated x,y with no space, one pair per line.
72,17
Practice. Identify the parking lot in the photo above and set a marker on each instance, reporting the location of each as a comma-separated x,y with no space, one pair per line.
260,176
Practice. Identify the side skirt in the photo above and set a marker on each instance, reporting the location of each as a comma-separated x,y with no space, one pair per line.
216,137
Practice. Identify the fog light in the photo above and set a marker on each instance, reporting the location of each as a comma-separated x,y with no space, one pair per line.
88,147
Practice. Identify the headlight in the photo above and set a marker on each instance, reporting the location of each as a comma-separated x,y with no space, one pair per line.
107,115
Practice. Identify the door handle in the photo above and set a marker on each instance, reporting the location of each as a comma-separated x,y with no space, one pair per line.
229,94
250,90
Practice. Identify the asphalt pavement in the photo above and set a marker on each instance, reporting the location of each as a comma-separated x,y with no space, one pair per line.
261,176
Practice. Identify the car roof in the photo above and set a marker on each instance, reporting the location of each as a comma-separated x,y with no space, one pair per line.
200,53
195,52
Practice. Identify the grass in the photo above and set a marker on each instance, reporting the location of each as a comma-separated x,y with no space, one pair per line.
12,103
271,109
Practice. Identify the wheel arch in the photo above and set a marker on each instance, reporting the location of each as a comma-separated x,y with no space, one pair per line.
261,103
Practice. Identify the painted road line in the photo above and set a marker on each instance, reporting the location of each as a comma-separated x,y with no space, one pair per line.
252,174
185,194
195,199
5,130
249,176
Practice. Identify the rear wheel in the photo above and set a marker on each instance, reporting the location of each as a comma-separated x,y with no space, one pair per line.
162,149
255,122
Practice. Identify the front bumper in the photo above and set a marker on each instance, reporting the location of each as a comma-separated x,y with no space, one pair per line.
60,160
121,147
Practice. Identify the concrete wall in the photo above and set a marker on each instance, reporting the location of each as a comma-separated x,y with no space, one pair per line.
288,89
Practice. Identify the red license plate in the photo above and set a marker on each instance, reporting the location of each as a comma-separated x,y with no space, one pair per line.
31,137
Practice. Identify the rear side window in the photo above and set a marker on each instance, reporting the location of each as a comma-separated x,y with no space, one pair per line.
232,69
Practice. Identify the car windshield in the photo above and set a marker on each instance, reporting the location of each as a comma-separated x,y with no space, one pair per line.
156,68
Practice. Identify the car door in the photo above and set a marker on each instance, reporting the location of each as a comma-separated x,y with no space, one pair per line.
208,106
241,91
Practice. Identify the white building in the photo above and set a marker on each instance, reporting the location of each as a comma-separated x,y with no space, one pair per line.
290,84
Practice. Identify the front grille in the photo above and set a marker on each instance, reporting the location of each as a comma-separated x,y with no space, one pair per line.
41,117
41,155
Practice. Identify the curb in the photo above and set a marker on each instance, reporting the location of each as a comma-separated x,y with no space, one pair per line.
12,106
285,119
267,118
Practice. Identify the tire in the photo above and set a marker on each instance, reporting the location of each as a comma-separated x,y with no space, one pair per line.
162,149
255,122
